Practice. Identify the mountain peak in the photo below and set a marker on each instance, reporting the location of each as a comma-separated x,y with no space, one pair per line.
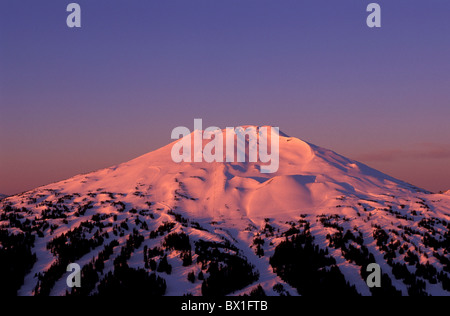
152,209
309,179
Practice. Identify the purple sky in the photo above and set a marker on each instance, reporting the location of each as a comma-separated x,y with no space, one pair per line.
75,100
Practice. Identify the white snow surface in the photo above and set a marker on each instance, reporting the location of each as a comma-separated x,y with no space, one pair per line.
233,201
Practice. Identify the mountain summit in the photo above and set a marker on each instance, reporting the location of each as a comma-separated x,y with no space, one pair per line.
204,228
309,180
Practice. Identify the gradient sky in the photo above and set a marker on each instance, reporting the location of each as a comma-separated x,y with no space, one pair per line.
76,100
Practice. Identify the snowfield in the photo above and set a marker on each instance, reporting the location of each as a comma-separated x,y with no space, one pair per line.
321,216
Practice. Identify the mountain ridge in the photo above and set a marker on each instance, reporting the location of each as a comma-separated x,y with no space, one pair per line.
148,167
150,212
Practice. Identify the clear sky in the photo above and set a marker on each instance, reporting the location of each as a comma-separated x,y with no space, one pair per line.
76,100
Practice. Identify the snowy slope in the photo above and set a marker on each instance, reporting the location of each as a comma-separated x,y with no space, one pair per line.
315,191
308,180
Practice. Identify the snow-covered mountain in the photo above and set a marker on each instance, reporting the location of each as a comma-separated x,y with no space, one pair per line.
161,227
2,196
